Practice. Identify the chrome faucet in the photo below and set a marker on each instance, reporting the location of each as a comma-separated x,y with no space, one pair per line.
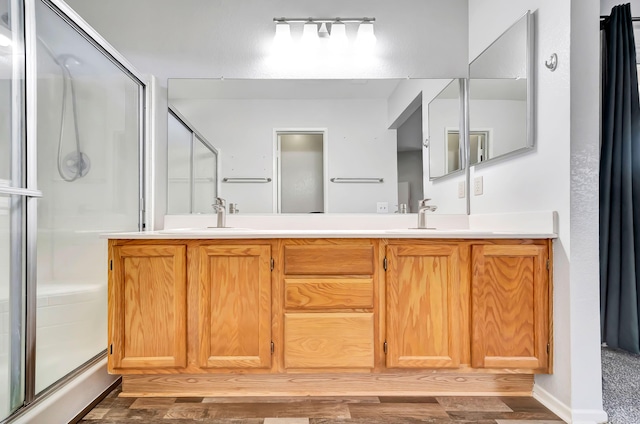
422,212
220,208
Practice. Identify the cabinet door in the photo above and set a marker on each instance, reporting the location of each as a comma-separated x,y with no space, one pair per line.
235,306
510,307
147,307
422,312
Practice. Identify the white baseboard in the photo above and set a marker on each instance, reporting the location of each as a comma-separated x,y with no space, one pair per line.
66,403
568,415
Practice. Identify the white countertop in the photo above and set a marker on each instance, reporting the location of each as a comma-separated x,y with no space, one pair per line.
530,225
230,233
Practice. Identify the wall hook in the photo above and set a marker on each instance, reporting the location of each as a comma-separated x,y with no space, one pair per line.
552,63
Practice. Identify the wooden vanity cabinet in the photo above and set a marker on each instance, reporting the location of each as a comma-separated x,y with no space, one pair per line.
147,307
422,298
397,316
510,306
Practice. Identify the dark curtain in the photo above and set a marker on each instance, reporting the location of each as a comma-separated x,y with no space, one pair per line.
620,186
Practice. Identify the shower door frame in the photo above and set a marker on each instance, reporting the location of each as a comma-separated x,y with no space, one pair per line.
196,136
30,193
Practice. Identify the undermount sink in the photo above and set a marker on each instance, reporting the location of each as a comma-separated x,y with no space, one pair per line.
412,229
204,230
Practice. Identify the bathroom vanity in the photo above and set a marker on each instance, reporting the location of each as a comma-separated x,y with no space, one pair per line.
206,312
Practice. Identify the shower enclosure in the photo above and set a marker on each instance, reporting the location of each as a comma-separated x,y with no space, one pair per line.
81,145
193,168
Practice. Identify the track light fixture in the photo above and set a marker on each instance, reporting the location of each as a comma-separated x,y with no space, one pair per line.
333,29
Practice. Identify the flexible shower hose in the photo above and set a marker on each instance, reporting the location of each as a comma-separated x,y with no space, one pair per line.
68,81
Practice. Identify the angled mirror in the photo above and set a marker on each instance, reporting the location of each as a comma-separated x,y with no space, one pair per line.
501,101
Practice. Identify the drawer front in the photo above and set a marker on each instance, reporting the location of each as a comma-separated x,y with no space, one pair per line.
328,293
328,340
328,260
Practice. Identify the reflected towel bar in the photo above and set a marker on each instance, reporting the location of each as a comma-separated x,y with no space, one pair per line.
357,180
188,180
246,180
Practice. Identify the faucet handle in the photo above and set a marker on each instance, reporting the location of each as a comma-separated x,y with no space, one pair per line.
422,203
220,201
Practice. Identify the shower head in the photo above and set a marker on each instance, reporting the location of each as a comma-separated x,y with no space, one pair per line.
68,60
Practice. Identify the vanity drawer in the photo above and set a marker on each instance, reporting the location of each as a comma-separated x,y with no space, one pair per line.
327,293
328,340
328,259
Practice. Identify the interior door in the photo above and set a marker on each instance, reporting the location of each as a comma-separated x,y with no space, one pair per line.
301,172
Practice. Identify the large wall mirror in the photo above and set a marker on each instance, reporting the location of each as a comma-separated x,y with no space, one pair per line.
313,146
501,95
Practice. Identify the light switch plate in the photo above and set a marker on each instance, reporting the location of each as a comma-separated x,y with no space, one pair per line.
477,186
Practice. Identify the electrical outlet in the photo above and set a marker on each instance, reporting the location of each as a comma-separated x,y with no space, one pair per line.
477,186
382,207
461,189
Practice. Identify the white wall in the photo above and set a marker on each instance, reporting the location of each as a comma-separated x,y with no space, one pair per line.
561,175
230,38
243,130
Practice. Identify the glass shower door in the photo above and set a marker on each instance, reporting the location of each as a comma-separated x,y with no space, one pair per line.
13,194
89,126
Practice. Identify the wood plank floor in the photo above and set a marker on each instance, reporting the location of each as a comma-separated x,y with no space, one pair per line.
321,410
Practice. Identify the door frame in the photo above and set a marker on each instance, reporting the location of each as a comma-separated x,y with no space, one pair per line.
487,132
276,163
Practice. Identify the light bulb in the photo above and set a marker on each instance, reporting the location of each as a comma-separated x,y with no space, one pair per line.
310,39
282,40
338,41
366,39
323,32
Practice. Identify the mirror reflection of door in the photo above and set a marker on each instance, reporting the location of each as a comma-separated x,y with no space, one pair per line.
478,148
452,160
452,156
300,170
